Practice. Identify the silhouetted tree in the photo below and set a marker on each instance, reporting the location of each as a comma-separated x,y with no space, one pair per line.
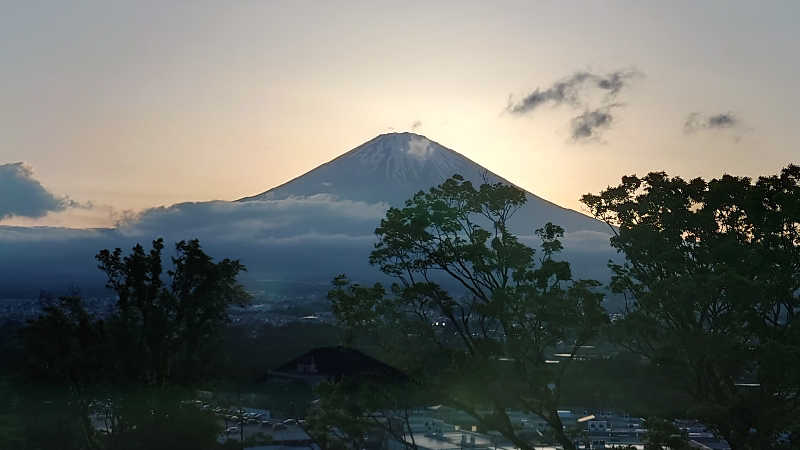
164,326
66,343
66,346
127,365
712,275
487,351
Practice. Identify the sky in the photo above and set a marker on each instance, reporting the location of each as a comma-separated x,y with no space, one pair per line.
109,107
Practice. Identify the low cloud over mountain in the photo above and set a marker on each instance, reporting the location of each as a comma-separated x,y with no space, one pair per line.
293,239
258,222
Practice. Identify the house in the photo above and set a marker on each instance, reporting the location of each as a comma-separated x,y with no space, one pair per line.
337,363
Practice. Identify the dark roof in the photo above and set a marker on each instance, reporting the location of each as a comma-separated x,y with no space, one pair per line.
339,362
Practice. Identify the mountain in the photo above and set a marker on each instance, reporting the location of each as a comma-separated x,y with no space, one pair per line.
391,167
308,230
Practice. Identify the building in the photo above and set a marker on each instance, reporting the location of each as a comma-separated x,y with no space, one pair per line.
337,363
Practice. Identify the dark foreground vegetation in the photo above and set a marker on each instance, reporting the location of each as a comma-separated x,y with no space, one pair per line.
711,277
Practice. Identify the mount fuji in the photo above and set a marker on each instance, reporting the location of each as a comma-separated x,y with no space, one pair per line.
309,229
390,168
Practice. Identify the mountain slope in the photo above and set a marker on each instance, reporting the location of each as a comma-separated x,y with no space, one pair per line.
392,167
310,229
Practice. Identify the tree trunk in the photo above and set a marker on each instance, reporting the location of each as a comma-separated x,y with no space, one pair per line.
733,443
558,429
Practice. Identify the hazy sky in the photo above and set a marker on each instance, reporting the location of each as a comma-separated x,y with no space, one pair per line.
138,104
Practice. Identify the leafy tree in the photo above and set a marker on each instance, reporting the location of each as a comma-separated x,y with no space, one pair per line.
350,412
66,343
664,435
159,336
155,417
487,351
12,431
66,355
52,417
360,409
712,274
164,327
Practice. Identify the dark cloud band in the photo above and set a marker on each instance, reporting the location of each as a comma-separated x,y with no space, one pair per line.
300,238
23,195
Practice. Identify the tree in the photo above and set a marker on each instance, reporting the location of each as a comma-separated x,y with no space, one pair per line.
156,340
712,274
486,351
165,327
66,343
664,435
352,411
157,418
66,348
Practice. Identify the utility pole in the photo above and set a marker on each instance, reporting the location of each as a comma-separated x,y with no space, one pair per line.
241,414
241,427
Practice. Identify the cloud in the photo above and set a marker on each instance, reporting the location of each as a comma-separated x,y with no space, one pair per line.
320,214
14,234
572,90
616,81
590,124
564,91
576,91
420,148
309,238
88,215
698,122
416,125
304,238
23,195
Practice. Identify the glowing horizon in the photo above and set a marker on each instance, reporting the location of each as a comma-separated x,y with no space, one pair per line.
126,107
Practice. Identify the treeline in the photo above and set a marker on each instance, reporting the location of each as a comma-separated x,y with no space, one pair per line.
712,281
712,276
74,380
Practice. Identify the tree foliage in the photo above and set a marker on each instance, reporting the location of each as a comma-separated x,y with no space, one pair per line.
354,413
164,326
712,275
159,336
66,343
489,349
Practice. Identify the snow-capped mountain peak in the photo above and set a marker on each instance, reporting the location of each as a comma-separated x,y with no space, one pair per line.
387,168
391,167
406,158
